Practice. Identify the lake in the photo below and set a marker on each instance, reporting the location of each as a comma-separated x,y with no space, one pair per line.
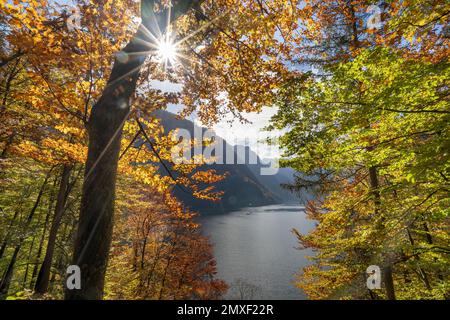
256,251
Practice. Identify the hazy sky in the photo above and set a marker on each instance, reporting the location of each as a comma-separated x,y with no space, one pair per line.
232,130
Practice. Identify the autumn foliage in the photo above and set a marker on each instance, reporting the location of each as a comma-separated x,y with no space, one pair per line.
364,110
51,77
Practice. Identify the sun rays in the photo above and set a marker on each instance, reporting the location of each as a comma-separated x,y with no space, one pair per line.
164,48
167,51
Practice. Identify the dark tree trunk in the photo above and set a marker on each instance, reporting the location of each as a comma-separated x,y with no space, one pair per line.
8,234
44,273
387,270
374,186
108,115
389,282
44,231
30,251
422,274
41,243
7,276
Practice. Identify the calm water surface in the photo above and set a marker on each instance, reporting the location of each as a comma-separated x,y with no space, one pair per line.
255,248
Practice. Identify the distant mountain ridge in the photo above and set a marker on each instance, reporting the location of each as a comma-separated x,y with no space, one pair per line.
243,187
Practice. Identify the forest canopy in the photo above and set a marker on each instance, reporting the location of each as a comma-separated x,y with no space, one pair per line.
361,93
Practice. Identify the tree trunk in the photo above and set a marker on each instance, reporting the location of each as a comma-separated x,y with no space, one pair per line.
387,270
44,231
44,273
389,282
97,204
41,245
7,276
27,268
374,185
8,234
422,274
105,125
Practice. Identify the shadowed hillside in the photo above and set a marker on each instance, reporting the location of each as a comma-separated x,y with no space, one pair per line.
244,185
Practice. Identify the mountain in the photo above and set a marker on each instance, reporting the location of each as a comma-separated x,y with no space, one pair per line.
273,182
244,186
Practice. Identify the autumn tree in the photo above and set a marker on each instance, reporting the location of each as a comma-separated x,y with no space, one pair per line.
165,256
245,73
360,128
369,125
51,77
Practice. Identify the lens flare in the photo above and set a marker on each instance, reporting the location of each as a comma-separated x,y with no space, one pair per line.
167,51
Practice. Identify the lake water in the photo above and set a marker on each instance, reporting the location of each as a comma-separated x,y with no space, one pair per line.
256,251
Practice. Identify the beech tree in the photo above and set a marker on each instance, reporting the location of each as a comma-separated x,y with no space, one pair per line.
369,124
113,107
360,129
52,77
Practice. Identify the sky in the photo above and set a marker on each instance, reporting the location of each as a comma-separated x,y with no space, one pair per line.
230,128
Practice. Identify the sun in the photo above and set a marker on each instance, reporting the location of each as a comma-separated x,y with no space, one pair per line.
167,51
